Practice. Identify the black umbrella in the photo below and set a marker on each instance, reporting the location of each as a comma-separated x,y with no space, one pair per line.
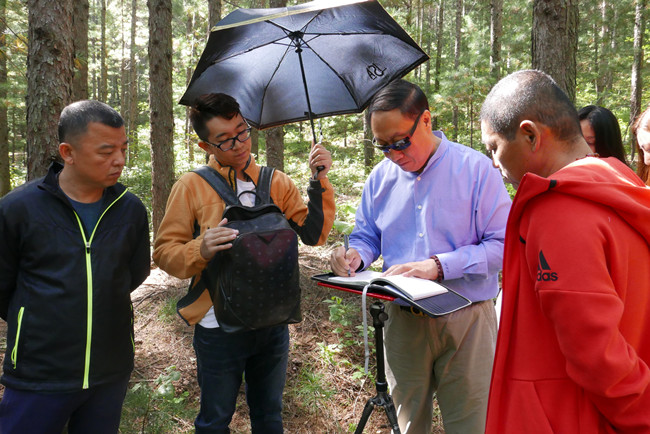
345,51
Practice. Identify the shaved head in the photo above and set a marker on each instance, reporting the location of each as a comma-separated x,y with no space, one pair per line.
530,95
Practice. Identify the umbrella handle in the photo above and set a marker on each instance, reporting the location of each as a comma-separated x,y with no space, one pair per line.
313,132
320,140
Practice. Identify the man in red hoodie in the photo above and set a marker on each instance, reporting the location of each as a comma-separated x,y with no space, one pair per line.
573,347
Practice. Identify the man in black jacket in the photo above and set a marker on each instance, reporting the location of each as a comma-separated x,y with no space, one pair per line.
73,245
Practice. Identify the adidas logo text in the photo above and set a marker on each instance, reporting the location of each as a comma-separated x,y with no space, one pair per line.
544,273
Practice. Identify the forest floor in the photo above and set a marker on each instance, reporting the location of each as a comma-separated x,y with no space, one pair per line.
326,387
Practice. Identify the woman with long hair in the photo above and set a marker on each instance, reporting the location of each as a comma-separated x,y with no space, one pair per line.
602,132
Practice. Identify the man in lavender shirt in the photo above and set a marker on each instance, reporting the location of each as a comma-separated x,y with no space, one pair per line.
437,210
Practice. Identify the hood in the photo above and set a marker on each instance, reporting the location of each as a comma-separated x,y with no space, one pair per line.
606,181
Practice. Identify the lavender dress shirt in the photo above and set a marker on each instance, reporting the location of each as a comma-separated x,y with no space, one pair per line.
456,209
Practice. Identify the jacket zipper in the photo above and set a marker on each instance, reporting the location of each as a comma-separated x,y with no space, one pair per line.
14,351
89,287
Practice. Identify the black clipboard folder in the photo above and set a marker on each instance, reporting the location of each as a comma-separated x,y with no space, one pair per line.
437,305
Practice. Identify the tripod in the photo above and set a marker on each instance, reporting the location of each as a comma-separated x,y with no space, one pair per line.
382,398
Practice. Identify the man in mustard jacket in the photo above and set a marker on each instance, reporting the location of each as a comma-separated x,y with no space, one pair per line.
260,355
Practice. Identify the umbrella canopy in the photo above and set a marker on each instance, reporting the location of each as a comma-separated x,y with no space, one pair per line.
303,62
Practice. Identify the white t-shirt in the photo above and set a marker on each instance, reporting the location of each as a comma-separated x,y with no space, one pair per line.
209,321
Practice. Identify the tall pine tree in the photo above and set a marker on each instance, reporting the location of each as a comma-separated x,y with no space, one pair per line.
50,70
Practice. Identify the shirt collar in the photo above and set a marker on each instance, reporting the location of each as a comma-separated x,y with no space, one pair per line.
437,156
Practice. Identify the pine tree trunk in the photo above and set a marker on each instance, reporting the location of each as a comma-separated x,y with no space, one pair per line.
214,10
438,65
49,61
596,61
609,78
160,101
124,81
418,71
132,106
80,40
14,133
275,136
555,41
280,3
637,67
457,45
189,28
103,73
275,147
93,91
496,30
429,18
5,179
368,149
605,37
255,143
471,118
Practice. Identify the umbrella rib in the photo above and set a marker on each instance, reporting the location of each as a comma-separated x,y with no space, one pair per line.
277,41
331,69
256,47
268,83
348,33
239,53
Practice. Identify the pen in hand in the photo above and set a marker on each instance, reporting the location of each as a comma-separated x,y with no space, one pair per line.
346,243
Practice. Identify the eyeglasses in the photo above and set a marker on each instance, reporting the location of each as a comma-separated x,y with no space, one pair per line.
399,145
240,137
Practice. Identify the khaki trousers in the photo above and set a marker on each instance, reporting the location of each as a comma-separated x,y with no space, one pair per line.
450,355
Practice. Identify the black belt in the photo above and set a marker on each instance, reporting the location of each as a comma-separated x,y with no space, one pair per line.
413,310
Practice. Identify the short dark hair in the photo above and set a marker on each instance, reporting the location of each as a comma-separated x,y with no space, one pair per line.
533,95
209,106
75,118
401,94
607,132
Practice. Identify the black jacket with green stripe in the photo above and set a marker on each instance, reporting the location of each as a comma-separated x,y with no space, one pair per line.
66,295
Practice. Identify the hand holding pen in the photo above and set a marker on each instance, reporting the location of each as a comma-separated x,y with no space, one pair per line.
346,243
345,260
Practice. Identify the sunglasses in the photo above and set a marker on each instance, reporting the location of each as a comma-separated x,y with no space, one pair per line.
399,145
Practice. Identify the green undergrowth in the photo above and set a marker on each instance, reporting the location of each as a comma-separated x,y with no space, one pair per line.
157,407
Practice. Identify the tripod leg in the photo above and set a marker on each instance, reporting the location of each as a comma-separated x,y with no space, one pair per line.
392,415
382,398
367,410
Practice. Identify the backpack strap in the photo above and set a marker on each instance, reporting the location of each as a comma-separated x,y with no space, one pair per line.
219,184
263,187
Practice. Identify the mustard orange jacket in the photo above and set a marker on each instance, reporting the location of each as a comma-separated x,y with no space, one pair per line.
192,199
573,347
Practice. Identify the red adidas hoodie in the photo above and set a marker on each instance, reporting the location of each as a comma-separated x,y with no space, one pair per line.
573,348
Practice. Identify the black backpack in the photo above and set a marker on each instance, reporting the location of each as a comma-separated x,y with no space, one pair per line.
256,283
